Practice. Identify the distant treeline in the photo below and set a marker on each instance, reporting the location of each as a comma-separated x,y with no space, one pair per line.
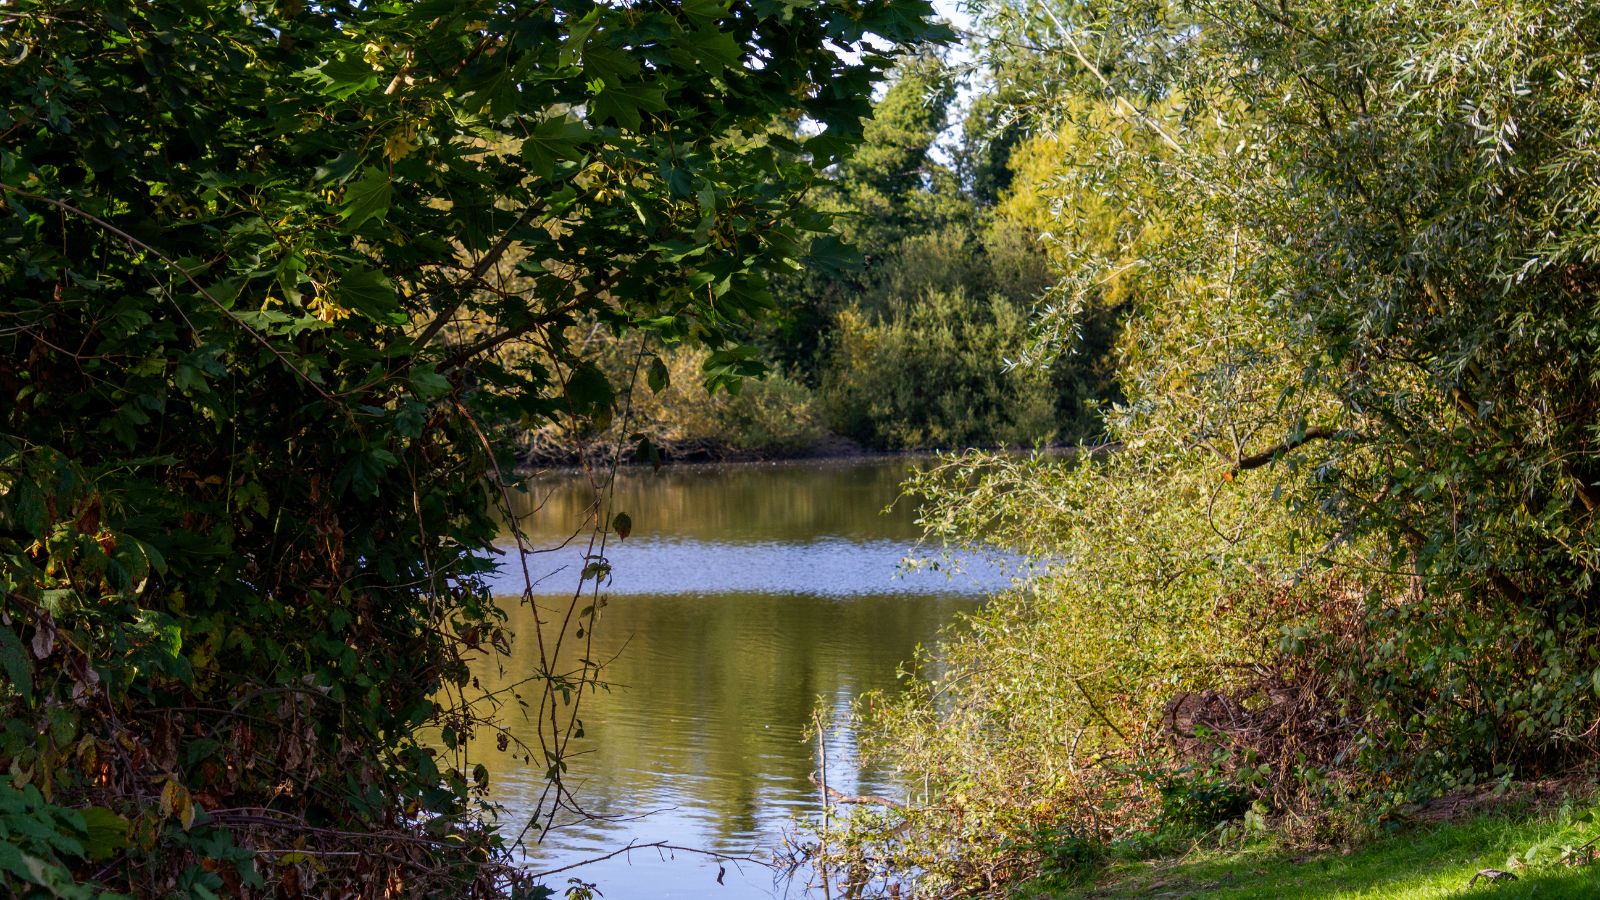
895,332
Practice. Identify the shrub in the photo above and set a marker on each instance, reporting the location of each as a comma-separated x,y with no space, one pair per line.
930,372
670,406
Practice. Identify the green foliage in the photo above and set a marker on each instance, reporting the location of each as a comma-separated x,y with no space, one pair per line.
1195,801
1454,355
913,219
669,406
39,842
271,276
885,184
905,349
931,372
888,190
917,348
1050,708
773,414
1347,545
1426,386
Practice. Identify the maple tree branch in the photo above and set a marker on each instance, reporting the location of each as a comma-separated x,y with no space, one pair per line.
479,269
132,241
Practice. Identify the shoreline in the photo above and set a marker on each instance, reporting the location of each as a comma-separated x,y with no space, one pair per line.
840,451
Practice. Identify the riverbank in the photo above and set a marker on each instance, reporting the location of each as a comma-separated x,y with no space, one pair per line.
832,446
1544,841
834,449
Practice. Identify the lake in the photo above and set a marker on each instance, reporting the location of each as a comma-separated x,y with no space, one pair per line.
744,597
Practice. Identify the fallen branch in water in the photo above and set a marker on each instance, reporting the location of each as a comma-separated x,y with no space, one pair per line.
658,846
868,799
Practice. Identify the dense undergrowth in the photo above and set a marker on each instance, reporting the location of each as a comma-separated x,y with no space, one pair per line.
1342,557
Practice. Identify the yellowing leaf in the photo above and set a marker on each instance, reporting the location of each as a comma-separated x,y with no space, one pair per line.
401,142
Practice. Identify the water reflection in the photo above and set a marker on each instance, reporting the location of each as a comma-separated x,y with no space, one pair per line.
744,595
830,567
737,503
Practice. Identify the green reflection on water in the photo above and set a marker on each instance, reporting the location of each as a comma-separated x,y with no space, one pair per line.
710,694
707,702
736,503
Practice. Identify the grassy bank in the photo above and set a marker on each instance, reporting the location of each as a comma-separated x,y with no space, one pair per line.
1547,849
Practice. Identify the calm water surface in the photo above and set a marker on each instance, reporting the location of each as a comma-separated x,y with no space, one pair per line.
743,596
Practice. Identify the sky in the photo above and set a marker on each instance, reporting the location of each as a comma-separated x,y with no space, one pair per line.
952,12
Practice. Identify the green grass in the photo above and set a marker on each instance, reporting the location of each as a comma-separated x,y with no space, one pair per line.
1421,862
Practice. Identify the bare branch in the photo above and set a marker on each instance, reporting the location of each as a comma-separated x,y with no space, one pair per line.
479,269
1257,460
658,846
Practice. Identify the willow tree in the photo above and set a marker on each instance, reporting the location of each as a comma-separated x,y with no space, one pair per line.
1396,193
262,264
1356,245
1390,202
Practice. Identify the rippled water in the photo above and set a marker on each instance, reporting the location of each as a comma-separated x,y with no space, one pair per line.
744,597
